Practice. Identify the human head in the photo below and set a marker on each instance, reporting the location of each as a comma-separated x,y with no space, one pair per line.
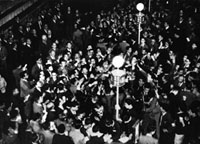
61,128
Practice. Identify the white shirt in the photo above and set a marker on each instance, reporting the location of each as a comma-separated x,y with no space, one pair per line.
76,135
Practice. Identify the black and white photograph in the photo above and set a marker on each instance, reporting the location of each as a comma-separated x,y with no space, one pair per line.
99,71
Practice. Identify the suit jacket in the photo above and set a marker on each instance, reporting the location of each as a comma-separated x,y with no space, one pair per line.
3,53
35,72
37,108
95,140
147,140
39,27
14,59
43,48
153,108
166,129
77,136
28,54
48,136
62,139
77,37
54,26
25,88
28,108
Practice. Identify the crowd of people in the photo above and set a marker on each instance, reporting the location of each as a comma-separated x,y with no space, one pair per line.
56,82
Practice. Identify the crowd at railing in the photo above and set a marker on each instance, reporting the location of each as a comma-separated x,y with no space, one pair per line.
56,84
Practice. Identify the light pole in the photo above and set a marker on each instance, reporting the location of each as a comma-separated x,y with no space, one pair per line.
140,7
117,62
149,7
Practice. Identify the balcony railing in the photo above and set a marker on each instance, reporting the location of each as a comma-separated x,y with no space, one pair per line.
17,9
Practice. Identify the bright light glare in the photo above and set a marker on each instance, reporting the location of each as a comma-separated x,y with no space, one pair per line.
118,61
140,6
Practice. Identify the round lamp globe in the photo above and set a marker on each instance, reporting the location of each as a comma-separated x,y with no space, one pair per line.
140,6
118,61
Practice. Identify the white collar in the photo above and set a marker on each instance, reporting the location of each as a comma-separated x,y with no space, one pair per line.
128,120
98,134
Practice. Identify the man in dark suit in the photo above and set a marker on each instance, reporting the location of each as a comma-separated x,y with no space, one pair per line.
77,38
192,132
39,25
3,116
13,59
35,39
68,20
28,101
19,32
167,125
60,137
25,87
54,26
96,137
28,52
44,47
37,68
3,57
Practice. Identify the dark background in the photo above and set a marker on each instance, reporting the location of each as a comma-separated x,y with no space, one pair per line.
91,5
